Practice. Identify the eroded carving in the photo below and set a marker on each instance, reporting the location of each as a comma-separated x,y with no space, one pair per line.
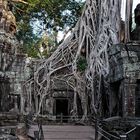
7,19
10,22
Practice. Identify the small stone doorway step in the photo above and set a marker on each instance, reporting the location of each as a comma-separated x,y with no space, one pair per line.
62,110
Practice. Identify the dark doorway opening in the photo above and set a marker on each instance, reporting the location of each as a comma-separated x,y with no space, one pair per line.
6,103
62,110
116,99
137,98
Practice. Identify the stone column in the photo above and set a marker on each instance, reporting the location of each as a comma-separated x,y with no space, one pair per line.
129,86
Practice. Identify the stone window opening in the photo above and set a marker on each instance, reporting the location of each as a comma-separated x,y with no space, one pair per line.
116,107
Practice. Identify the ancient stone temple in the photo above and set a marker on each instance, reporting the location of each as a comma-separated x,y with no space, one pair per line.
110,91
106,92
12,64
124,73
124,81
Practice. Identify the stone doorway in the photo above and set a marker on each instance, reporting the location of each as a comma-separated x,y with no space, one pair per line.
137,98
5,99
61,109
116,99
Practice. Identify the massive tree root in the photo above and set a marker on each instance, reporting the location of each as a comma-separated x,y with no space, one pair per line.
96,30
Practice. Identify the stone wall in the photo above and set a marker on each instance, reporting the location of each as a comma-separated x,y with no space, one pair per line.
14,71
125,69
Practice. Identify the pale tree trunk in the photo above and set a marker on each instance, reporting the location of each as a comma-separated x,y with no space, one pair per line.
96,30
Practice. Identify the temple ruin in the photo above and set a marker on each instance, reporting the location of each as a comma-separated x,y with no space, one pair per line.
104,92
13,70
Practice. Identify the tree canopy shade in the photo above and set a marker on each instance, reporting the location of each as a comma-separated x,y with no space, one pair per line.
50,16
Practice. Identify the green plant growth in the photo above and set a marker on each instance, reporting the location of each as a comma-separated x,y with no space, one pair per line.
81,64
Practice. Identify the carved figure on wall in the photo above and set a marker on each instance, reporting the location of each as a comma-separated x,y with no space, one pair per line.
3,19
10,22
1,8
3,4
3,13
7,18
135,35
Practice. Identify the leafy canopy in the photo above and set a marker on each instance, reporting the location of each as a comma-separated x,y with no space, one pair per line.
49,16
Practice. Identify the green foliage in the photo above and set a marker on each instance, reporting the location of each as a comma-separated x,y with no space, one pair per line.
32,52
51,13
52,16
81,63
30,48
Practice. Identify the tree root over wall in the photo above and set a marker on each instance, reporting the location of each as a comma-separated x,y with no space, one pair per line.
96,30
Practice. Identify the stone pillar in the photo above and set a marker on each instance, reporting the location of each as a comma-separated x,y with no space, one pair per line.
21,104
129,97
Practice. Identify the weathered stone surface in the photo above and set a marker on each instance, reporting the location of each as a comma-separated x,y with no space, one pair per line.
7,137
10,118
13,73
21,132
125,67
65,132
